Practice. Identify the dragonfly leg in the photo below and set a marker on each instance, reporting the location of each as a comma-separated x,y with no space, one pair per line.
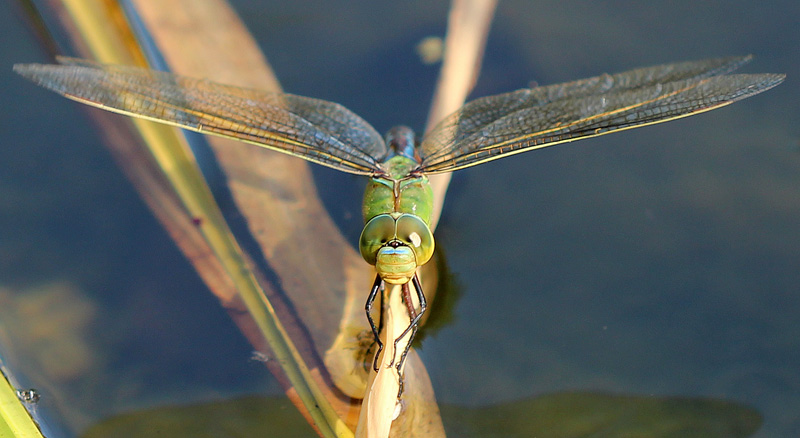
373,293
412,312
415,318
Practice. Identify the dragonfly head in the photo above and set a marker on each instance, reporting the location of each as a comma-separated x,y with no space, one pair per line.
396,243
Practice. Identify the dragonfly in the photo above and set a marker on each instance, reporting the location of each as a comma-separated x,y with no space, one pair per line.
398,201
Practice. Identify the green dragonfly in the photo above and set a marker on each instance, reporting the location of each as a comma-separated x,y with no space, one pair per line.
398,200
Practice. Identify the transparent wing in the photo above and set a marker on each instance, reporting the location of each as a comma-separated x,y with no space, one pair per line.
316,130
505,124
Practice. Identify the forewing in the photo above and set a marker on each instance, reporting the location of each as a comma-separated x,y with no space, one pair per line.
495,126
316,130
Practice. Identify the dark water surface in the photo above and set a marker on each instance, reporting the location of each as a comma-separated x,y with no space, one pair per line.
660,261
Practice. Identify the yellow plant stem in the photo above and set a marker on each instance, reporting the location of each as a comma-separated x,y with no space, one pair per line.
14,418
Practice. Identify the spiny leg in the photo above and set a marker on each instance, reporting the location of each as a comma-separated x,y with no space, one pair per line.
412,312
415,318
373,293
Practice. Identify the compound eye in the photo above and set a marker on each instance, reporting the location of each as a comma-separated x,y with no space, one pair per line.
414,232
377,232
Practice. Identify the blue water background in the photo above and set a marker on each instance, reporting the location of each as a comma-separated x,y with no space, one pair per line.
660,261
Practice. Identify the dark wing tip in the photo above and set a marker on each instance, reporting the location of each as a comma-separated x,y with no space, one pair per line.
22,69
778,77
50,76
768,80
727,64
32,72
737,61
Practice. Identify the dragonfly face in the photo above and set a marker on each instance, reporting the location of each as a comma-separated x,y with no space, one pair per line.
396,244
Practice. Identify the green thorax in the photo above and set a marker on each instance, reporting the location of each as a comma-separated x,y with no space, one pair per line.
399,191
